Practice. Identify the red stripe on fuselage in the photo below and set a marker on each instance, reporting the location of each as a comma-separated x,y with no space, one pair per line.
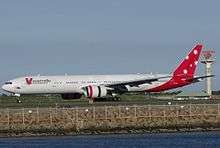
90,91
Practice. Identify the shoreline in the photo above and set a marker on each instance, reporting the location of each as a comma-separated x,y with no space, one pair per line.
16,134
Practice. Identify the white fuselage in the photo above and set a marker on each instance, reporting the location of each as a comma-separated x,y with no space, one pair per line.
75,83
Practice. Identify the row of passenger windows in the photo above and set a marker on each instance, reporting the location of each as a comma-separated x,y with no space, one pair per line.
71,82
76,82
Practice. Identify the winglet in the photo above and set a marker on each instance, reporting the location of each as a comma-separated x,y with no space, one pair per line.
188,66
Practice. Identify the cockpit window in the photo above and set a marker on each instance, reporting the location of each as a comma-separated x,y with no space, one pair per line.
8,83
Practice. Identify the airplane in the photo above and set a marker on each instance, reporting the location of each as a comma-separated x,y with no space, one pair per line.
98,86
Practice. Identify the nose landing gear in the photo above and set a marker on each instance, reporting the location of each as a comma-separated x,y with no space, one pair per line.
18,98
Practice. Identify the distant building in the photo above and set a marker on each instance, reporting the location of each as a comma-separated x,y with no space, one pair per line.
192,95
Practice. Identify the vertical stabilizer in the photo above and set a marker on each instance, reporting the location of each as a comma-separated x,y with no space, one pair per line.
188,66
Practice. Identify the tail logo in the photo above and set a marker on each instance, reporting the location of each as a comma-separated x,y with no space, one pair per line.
196,62
195,52
185,71
188,66
29,80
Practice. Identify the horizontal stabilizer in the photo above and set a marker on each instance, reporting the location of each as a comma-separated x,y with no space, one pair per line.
199,78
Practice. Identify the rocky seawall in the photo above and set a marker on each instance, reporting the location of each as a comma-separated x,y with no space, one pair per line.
109,119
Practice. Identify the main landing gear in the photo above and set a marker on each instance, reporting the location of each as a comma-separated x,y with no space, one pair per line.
116,98
104,99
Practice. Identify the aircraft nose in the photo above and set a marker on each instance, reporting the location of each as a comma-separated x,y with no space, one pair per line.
6,88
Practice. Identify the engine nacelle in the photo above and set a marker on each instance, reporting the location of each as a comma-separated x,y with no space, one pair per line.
93,91
71,96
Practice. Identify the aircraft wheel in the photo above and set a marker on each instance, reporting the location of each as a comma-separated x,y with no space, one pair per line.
19,101
116,99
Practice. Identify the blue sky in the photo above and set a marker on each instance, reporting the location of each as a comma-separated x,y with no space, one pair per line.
52,37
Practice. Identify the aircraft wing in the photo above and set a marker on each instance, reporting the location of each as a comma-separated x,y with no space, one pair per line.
137,81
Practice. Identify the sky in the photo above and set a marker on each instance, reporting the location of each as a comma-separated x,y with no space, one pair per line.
54,37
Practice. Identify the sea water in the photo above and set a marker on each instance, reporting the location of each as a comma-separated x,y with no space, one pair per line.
158,140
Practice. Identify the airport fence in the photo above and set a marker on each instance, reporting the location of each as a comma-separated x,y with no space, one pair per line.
108,117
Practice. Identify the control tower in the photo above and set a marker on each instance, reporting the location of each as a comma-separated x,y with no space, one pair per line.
208,60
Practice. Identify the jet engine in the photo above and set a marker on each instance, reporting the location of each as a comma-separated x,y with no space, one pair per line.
93,91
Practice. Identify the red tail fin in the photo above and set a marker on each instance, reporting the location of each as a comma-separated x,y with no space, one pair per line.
188,65
183,73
